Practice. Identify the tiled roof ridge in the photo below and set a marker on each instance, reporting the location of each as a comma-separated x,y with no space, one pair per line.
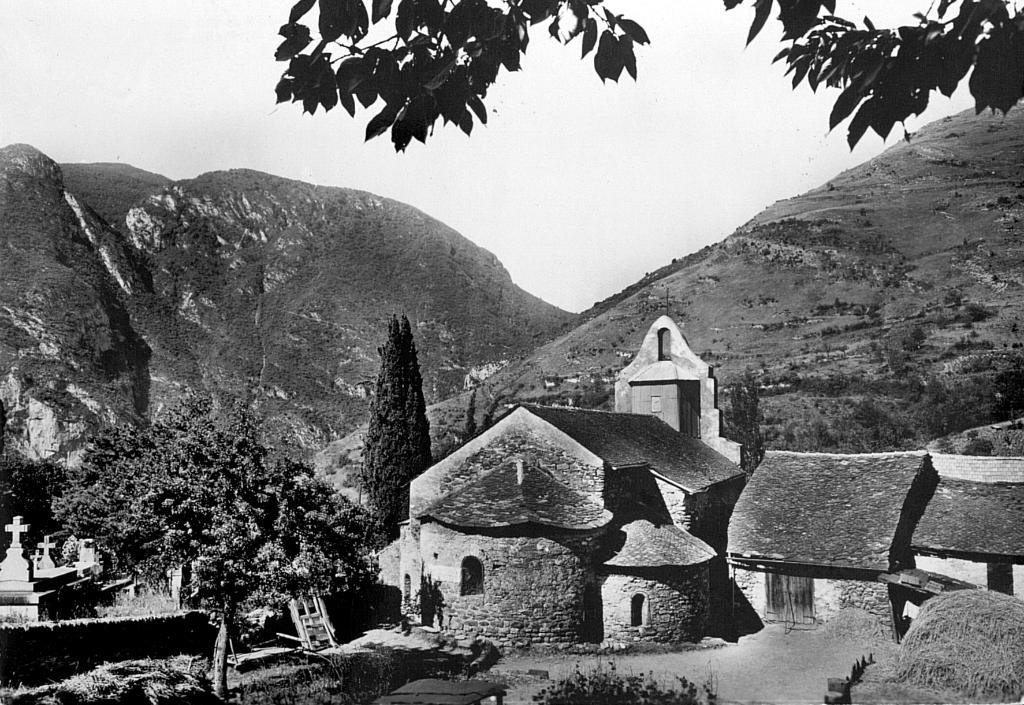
877,454
978,458
529,405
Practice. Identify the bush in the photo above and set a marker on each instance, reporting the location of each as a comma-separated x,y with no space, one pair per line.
979,446
606,685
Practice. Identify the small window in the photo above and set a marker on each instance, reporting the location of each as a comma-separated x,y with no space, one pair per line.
472,576
655,405
407,587
664,344
637,611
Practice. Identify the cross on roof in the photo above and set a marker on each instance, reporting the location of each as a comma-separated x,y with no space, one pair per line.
46,544
16,529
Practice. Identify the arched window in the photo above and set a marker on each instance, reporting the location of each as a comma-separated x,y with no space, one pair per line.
472,576
637,611
407,587
664,344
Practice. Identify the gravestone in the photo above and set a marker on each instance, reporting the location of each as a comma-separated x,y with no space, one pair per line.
46,560
15,568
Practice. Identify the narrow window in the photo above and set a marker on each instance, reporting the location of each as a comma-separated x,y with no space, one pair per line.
636,610
664,343
407,587
655,405
472,576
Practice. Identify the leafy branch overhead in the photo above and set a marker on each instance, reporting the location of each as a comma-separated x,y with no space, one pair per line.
435,58
427,59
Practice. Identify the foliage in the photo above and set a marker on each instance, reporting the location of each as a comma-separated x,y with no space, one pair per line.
469,430
199,489
606,685
28,488
744,420
979,446
397,445
438,59
1009,391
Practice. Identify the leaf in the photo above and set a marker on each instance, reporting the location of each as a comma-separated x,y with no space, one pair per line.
466,123
729,4
843,106
608,61
330,19
296,38
351,73
284,90
346,102
381,9
477,106
589,36
868,23
405,18
299,9
380,122
628,57
634,31
762,9
860,123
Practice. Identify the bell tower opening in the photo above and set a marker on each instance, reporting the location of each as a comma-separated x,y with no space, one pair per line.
664,344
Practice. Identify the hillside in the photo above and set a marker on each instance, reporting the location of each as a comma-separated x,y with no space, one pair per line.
875,309
237,282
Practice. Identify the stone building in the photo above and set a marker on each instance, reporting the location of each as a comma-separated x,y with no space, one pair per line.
816,532
558,526
813,533
973,528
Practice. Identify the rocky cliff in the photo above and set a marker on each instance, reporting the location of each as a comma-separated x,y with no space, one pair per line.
234,282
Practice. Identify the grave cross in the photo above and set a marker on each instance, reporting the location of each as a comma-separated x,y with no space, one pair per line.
16,529
46,560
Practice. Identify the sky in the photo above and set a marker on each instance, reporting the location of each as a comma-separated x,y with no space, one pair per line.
578,187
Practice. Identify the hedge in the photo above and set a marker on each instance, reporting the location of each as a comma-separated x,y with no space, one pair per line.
39,652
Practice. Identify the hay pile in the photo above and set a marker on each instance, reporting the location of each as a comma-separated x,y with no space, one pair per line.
856,624
176,681
970,641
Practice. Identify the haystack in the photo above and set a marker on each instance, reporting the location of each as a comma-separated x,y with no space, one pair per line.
970,641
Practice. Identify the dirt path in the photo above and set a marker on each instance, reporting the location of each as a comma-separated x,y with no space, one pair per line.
770,666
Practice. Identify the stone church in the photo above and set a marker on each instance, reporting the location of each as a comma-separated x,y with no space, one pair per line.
560,526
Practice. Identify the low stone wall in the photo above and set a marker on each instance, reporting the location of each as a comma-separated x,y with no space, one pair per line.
38,652
675,605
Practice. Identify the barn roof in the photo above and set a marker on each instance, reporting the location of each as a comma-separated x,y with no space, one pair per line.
652,546
498,499
636,439
823,508
973,517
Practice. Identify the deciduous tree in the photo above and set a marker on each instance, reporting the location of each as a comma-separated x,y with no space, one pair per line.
744,421
199,488
418,61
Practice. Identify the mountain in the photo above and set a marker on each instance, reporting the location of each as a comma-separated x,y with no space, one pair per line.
894,281
120,288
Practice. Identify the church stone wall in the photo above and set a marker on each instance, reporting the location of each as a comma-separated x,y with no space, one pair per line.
675,605
533,586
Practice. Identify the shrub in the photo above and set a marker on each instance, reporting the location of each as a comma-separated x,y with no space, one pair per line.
979,446
606,685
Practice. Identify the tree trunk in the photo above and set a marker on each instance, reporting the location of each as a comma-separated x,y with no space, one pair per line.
220,655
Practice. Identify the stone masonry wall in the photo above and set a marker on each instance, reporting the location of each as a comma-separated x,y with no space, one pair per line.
675,606
752,584
533,586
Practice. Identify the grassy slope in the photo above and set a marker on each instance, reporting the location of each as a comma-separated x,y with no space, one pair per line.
894,240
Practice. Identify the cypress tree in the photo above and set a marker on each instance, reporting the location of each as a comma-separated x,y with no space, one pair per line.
397,446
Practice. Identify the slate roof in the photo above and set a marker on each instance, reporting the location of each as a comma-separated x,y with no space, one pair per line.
636,439
973,517
497,499
823,508
434,691
651,546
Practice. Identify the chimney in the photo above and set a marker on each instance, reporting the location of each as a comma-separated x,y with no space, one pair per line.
519,470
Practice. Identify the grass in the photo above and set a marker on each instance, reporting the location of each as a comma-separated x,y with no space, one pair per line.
180,680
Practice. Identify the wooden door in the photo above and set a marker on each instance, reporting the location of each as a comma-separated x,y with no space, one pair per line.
790,598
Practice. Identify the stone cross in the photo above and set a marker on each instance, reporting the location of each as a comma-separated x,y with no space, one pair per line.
16,529
46,560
